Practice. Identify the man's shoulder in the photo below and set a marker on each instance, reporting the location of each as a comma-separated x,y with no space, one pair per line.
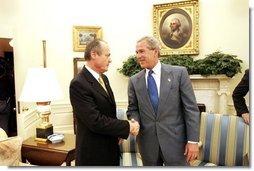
172,67
82,77
138,75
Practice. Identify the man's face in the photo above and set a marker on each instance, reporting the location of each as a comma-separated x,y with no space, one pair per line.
147,58
102,61
173,26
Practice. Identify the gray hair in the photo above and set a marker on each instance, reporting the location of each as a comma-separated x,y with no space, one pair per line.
94,45
177,21
152,42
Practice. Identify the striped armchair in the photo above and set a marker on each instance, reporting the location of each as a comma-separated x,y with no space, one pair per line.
225,141
129,148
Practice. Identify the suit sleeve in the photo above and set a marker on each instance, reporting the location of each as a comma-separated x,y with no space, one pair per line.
133,110
192,114
238,95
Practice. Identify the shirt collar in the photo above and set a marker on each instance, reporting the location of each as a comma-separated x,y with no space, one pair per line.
156,69
95,74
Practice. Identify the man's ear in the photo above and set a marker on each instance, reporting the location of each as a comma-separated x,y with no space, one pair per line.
93,54
156,51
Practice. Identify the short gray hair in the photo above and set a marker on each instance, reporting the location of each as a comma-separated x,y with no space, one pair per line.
152,42
94,45
177,21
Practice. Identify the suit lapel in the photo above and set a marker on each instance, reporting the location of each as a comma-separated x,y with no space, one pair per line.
165,86
96,85
110,94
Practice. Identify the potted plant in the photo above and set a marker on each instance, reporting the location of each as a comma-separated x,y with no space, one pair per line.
213,64
218,63
130,66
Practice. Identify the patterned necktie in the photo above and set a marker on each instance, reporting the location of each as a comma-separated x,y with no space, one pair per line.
152,90
102,84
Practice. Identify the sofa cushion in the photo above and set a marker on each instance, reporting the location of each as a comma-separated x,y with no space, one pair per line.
131,159
201,163
129,145
225,139
10,149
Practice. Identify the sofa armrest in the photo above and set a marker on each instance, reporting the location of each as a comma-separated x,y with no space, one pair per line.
10,151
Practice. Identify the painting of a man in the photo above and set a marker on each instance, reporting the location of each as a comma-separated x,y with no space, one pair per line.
175,29
176,35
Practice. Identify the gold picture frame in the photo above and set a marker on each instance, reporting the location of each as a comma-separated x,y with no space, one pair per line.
166,18
84,34
78,64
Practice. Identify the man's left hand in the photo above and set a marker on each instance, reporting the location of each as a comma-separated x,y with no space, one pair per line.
191,152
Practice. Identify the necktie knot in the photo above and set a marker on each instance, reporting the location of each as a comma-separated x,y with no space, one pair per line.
100,80
150,72
102,84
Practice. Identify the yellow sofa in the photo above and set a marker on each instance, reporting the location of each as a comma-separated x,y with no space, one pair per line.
130,155
225,141
10,150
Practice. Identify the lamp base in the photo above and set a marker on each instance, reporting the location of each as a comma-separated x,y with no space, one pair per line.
43,133
42,140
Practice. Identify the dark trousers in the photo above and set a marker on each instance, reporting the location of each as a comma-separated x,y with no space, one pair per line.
162,162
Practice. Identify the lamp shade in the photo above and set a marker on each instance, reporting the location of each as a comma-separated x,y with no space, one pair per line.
41,85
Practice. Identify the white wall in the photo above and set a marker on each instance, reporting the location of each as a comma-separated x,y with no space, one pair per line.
224,25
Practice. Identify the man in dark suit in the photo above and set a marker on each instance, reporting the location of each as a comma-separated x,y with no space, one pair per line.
98,129
238,97
169,126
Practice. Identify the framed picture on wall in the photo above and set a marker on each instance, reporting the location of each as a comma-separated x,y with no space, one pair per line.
78,64
176,25
84,34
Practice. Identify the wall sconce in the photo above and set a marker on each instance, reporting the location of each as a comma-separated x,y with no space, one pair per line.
41,86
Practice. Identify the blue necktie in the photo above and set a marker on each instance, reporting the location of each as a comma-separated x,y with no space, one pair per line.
152,90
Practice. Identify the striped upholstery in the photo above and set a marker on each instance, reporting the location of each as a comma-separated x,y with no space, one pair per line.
131,159
225,140
129,148
201,163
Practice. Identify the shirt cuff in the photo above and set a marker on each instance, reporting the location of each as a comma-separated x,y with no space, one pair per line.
192,142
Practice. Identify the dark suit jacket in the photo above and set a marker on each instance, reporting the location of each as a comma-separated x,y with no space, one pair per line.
177,118
238,95
97,127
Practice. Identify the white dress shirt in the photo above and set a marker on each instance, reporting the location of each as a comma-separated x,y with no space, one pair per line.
156,75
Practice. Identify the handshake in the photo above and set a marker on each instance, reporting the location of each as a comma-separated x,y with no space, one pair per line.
134,127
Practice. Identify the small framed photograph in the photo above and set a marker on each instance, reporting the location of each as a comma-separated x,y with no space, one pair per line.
78,64
176,26
84,34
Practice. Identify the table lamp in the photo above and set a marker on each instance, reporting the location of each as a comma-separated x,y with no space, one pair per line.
41,86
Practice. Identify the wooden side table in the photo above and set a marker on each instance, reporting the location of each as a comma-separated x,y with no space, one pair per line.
49,154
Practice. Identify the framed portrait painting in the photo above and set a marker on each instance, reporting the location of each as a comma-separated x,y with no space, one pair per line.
176,26
84,34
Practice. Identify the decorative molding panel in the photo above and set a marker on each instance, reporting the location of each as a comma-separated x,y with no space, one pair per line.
62,118
212,91
27,122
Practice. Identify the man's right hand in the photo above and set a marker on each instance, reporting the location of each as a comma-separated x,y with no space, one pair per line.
246,118
134,127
